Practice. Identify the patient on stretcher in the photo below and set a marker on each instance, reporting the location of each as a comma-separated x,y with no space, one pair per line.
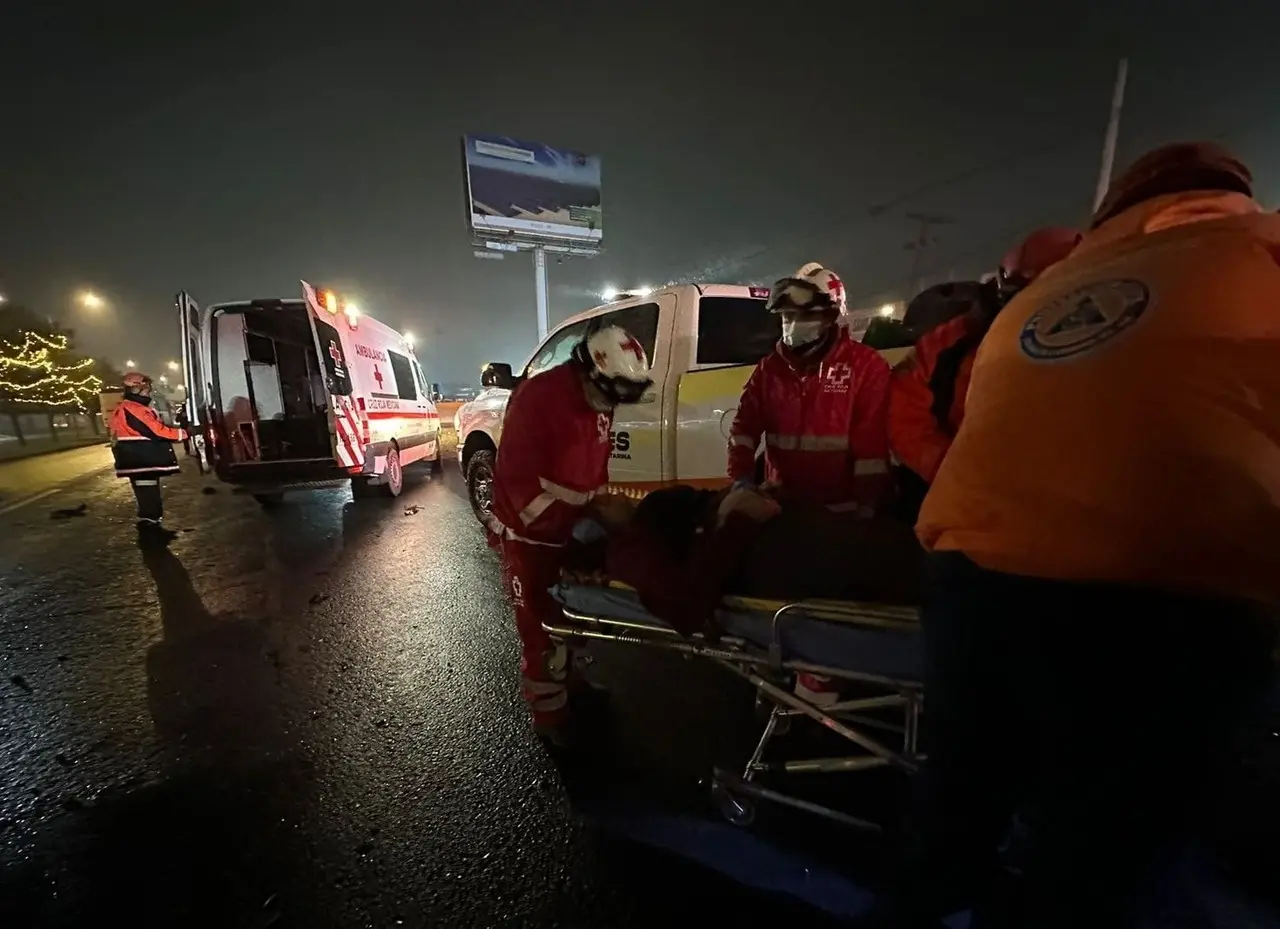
682,549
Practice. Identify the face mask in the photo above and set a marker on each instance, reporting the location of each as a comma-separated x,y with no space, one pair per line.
797,333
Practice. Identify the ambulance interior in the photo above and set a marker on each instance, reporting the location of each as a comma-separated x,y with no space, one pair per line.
270,384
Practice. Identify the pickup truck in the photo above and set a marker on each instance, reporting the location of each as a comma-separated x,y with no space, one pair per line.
702,340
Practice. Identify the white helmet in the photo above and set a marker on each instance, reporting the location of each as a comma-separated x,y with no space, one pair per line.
811,289
615,363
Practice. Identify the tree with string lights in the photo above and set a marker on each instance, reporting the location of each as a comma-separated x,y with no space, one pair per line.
38,369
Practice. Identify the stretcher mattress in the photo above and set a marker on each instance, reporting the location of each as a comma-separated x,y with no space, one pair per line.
858,638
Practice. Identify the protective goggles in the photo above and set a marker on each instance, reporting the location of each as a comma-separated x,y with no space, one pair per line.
623,390
797,295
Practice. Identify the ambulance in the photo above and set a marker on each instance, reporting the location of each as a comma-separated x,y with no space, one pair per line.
303,393
702,340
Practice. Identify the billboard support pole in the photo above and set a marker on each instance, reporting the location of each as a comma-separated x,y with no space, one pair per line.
540,285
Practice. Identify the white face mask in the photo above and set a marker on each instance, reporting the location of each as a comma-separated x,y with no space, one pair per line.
800,332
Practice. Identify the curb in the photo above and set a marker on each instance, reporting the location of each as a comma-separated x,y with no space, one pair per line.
71,447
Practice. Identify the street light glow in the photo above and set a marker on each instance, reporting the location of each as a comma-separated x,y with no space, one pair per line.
164,380
172,366
129,363
409,339
886,310
91,301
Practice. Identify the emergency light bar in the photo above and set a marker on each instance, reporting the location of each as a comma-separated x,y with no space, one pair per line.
331,302
759,293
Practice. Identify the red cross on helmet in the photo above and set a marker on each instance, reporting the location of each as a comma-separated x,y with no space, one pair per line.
811,289
615,363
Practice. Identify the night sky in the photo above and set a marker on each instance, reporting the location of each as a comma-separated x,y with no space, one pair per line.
146,150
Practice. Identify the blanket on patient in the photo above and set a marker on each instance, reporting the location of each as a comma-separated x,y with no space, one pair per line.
681,560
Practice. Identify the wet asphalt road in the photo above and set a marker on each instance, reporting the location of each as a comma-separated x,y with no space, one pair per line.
309,717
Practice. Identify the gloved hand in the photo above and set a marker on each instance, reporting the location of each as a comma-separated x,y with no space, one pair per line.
588,531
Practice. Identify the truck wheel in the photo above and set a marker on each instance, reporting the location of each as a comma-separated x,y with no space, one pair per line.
395,474
480,484
269,501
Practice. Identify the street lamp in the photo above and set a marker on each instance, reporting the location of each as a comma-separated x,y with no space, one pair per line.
172,366
129,363
164,380
91,301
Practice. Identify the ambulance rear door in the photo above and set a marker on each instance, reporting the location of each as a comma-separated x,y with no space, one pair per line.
204,419
344,423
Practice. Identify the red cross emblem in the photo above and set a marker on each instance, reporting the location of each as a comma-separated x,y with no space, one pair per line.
837,289
377,376
633,346
335,353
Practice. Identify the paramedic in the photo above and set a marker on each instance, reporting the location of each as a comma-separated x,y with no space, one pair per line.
927,393
142,445
552,468
819,401
1103,547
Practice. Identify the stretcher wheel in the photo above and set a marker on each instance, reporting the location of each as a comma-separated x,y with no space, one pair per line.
740,811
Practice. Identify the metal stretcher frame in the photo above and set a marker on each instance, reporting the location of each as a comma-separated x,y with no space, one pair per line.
888,739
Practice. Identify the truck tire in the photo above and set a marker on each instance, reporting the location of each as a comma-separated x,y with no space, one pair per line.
394,482
480,483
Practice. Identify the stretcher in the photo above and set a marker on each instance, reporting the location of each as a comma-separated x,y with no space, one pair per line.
874,648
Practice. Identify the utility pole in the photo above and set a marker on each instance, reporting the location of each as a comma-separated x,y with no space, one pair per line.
1113,133
921,242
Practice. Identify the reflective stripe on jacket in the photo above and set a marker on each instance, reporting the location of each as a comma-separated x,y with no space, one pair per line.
824,428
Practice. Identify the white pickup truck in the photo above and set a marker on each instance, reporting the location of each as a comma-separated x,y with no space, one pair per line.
703,341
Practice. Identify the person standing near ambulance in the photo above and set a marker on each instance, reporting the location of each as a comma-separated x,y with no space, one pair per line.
819,402
142,445
551,473
926,399
1100,611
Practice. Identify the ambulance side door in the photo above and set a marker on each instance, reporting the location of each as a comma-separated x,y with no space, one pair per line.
429,425
637,453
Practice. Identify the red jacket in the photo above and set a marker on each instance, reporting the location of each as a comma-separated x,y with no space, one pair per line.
553,458
918,433
826,441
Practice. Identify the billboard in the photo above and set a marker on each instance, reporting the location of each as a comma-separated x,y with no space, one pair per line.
531,191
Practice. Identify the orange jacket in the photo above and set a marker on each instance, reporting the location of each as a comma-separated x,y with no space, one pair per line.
919,434
142,441
1123,422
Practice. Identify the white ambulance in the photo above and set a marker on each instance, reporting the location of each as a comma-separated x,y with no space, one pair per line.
702,340
305,392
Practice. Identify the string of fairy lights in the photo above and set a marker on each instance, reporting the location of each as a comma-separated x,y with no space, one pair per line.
34,373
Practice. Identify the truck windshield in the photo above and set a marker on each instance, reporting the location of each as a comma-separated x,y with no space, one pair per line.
735,331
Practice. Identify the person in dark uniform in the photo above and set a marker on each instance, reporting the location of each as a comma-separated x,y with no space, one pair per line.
143,448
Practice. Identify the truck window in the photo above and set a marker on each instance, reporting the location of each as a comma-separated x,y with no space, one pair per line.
735,331
641,321
404,375
557,349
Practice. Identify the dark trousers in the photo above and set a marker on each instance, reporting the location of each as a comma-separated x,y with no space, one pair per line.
150,503
1107,711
